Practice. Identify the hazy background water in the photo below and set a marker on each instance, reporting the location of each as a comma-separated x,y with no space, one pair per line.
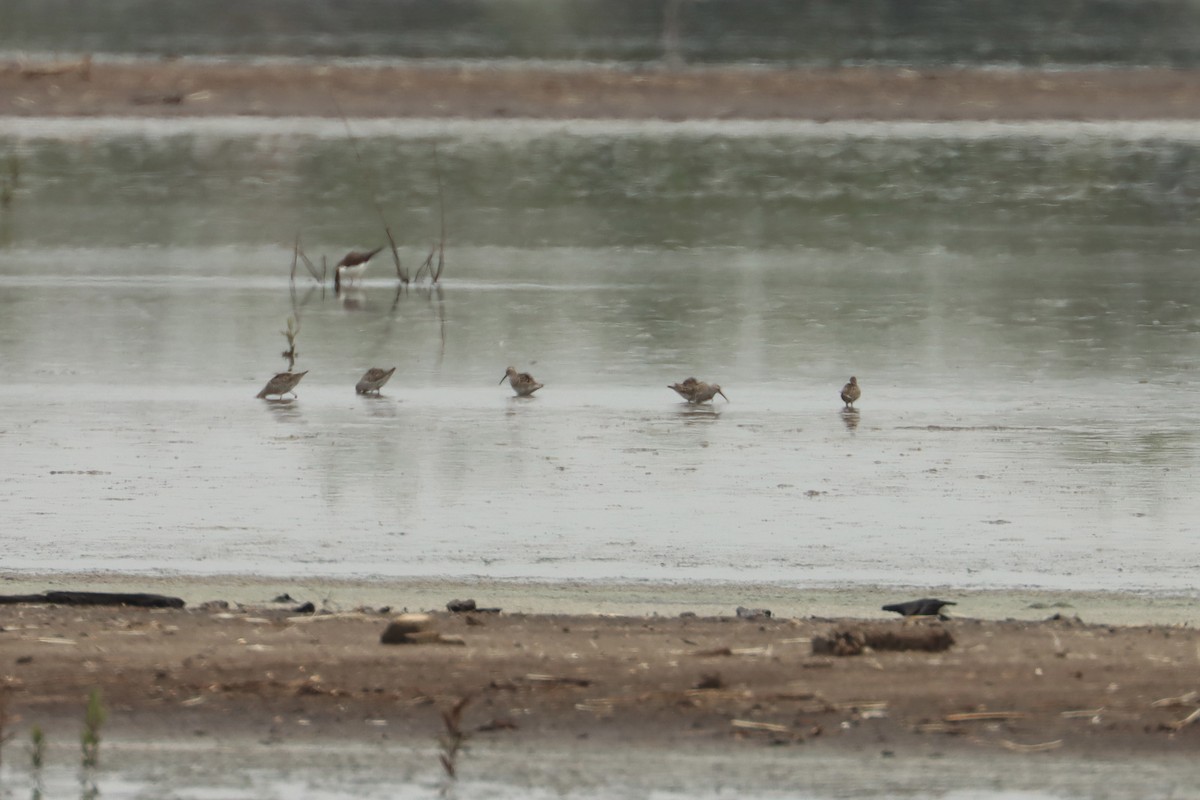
773,32
1019,303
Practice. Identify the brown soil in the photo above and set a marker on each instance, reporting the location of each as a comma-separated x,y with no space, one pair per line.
181,88
1083,690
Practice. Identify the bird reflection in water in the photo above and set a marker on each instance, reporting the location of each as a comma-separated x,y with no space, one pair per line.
285,411
850,418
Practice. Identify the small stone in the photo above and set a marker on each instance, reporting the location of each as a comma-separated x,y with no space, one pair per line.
459,606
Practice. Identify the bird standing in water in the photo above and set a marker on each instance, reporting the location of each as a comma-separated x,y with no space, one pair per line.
695,391
373,380
521,382
706,392
351,267
281,384
686,388
851,392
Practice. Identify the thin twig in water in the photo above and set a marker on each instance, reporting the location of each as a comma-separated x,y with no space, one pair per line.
295,259
454,738
319,277
427,264
437,171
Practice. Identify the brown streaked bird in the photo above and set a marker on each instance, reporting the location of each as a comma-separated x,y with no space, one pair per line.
851,392
706,392
281,384
521,382
373,380
686,388
352,266
695,391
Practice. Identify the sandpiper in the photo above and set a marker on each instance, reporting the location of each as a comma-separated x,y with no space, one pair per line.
695,391
352,266
373,380
851,392
706,392
521,382
282,383
686,389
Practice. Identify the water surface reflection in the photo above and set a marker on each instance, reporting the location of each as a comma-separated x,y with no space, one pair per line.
1037,377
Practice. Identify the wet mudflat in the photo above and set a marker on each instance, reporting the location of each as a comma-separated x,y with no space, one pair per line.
262,686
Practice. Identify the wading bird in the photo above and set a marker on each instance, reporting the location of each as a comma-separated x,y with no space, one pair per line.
351,267
851,392
521,382
282,383
373,380
686,388
695,391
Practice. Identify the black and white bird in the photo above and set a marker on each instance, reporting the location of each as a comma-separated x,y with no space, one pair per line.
352,266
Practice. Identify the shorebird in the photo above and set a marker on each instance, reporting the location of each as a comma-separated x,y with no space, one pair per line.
351,267
373,380
851,392
686,389
925,607
521,382
695,391
706,392
282,383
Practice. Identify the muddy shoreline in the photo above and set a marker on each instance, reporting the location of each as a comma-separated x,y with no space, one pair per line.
183,88
272,673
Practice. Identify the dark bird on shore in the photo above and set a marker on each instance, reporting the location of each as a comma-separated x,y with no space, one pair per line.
282,383
352,266
373,380
851,392
522,382
925,607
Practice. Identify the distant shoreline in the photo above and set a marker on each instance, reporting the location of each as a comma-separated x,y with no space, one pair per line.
194,88
628,598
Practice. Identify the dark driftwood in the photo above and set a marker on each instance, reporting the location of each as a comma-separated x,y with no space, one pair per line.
853,641
138,599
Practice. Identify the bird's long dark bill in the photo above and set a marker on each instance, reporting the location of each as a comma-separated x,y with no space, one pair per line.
502,379
723,395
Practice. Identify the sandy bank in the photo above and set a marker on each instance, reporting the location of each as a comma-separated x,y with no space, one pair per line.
181,88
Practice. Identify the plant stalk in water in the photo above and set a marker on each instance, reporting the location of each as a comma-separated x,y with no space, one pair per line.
37,748
93,720
293,330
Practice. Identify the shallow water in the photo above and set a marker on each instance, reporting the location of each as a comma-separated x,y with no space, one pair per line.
202,767
629,32
1018,303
